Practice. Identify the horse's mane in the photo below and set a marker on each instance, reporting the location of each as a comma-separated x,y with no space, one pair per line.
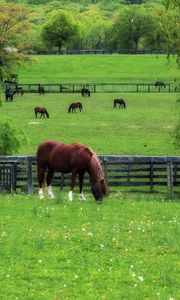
96,166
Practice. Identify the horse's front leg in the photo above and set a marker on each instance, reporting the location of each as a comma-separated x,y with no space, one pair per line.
73,179
48,180
81,179
41,174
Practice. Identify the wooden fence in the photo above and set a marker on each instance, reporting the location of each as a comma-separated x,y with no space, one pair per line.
19,173
99,87
96,51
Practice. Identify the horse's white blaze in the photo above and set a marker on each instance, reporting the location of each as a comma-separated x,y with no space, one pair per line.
41,193
81,196
50,193
70,197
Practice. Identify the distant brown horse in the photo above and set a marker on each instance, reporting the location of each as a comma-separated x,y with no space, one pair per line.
85,92
72,108
42,111
119,102
9,94
160,84
70,158
41,90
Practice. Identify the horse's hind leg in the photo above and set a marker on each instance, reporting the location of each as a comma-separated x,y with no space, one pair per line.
81,179
48,180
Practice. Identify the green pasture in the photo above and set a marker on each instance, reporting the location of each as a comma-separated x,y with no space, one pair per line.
99,69
126,248
145,127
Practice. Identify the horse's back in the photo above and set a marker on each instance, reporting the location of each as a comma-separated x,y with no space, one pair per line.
64,157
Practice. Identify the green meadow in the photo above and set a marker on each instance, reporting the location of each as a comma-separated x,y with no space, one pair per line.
99,69
145,127
126,248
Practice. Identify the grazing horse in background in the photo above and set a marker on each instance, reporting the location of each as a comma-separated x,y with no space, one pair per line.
9,94
160,84
85,92
42,111
70,158
41,90
72,108
19,90
119,102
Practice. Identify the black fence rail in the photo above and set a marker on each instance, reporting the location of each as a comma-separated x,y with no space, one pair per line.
20,174
96,51
97,87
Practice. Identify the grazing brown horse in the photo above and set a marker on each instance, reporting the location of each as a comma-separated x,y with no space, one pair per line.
42,111
41,90
9,94
72,108
119,102
70,158
160,84
85,92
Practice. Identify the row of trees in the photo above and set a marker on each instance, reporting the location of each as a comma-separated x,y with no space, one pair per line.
134,27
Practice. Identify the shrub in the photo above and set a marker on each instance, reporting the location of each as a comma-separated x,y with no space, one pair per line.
11,138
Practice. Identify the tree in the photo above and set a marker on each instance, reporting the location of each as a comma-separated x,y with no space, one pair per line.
10,137
14,27
59,30
132,24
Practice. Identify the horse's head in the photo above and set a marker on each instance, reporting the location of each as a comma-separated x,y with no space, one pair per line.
99,190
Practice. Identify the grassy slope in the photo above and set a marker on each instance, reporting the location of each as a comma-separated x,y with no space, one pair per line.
145,128
99,68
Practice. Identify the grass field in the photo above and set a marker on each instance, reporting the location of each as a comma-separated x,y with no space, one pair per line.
99,69
126,248
146,127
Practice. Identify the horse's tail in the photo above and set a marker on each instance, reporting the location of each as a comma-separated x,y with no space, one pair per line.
46,112
114,103
124,103
35,110
69,109
99,185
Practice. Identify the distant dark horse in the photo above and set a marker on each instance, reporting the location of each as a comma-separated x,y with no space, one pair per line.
70,158
19,90
9,94
74,106
119,102
160,84
42,111
85,92
41,90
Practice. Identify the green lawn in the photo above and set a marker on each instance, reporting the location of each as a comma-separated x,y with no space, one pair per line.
126,248
146,127
99,68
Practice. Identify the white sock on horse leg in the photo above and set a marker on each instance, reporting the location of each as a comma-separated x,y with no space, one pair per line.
70,197
41,193
81,196
50,193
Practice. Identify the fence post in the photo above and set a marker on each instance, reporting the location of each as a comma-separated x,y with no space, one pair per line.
170,178
30,176
104,160
151,175
62,181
